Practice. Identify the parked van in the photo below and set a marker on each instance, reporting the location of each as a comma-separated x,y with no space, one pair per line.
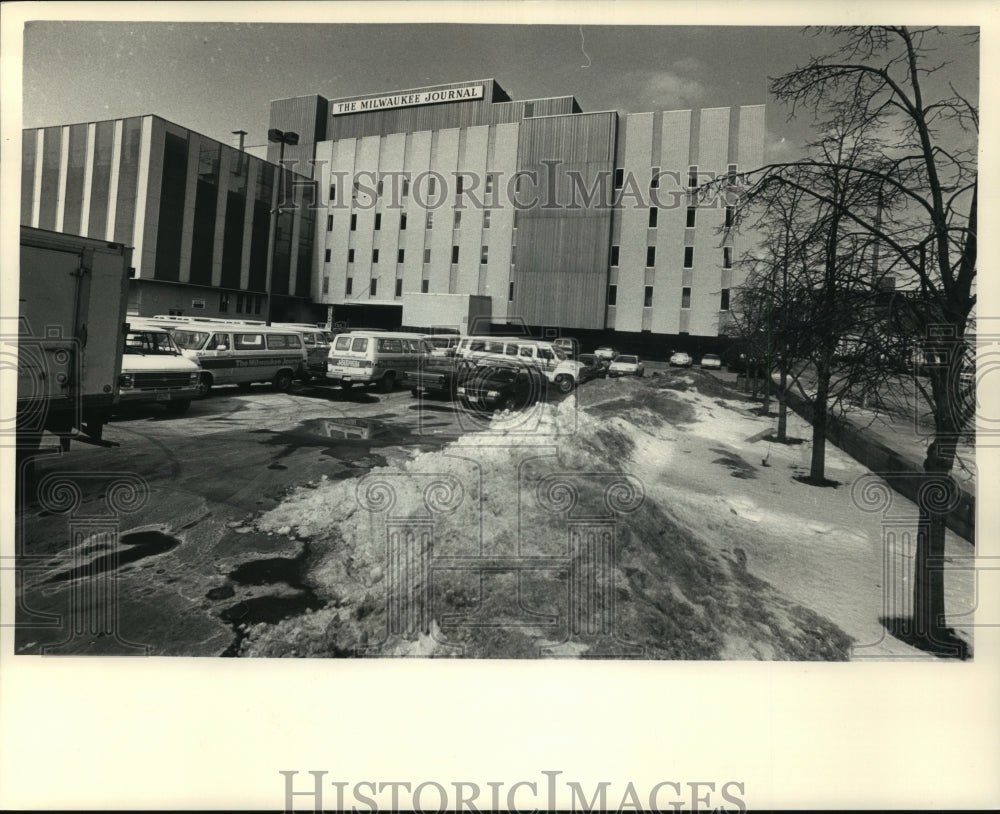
317,341
236,352
544,356
380,358
154,370
443,346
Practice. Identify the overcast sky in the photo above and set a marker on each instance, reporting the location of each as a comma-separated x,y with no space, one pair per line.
218,77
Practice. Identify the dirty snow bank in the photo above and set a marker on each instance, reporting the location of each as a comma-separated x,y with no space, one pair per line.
557,532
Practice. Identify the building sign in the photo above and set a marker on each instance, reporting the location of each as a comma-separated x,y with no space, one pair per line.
427,97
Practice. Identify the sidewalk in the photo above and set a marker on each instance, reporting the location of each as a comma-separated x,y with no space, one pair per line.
894,450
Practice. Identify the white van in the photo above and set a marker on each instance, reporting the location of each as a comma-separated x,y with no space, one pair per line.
154,370
241,353
380,358
317,341
550,360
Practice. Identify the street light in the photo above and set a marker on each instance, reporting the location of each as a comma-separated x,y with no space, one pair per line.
277,137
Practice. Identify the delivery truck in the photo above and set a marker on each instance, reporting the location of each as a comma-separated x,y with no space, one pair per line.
70,333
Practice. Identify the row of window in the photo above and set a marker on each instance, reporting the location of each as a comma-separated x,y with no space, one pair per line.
241,303
647,293
656,174
647,297
484,253
689,221
727,256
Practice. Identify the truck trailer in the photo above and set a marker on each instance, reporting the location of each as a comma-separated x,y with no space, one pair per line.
71,331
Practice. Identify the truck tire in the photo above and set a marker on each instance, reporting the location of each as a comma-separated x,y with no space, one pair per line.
205,385
178,407
564,383
414,392
387,383
282,380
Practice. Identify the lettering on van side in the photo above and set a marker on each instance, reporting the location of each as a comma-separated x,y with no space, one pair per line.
230,361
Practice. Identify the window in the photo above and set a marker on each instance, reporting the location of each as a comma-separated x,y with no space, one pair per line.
430,220
348,287
258,303
373,287
484,255
688,257
459,184
685,297
513,251
454,254
489,183
693,177
402,222
223,302
350,255
727,257
510,292
248,341
329,223
378,217
691,213
650,256
282,341
529,109
400,255
175,312
378,189
354,223
326,285
652,216
486,218
612,295
406,187
647,297
374,255
326,258
730,211
731,171
219,342
724,300
615,250
399,288
425,286
431,186
333,193
390,346
427,255
239,303
458,219
654,181
619,177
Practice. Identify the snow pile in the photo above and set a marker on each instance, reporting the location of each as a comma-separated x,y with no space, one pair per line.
599,531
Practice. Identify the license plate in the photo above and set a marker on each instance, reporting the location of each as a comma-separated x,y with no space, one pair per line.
163,396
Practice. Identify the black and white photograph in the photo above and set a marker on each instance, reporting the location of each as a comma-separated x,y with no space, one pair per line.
375,339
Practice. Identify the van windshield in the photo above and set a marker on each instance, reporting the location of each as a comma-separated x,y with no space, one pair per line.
190,340
147,343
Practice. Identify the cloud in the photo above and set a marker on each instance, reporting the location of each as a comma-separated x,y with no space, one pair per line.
664,90
689,65
779,149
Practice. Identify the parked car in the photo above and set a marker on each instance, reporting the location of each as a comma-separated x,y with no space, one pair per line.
680,359
711,361
593,368
436,376
499,386
627,365
606,352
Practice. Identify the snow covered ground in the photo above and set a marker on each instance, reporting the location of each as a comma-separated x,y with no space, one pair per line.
639,518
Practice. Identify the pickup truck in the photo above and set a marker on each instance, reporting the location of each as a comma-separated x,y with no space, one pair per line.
500,386
436,376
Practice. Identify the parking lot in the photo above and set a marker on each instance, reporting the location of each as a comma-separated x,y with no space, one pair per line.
189,484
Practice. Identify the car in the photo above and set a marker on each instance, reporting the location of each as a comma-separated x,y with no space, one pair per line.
680,359
711,361
491,386
626,365
606,352
593,368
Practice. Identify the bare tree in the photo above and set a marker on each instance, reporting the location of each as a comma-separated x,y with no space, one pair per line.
877,85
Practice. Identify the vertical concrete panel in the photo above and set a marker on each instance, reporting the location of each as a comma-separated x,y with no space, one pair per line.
392,155
416,162
499,237
36,194
88,178
143,199
363,239
190,189
634,220
341,239
444,160
470,237
751,137
219,235
63,172
116,157
253,171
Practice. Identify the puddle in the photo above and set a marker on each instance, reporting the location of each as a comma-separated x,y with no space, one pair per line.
140,544
266,572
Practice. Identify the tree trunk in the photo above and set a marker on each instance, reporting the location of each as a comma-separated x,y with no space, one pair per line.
783,406
817,466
